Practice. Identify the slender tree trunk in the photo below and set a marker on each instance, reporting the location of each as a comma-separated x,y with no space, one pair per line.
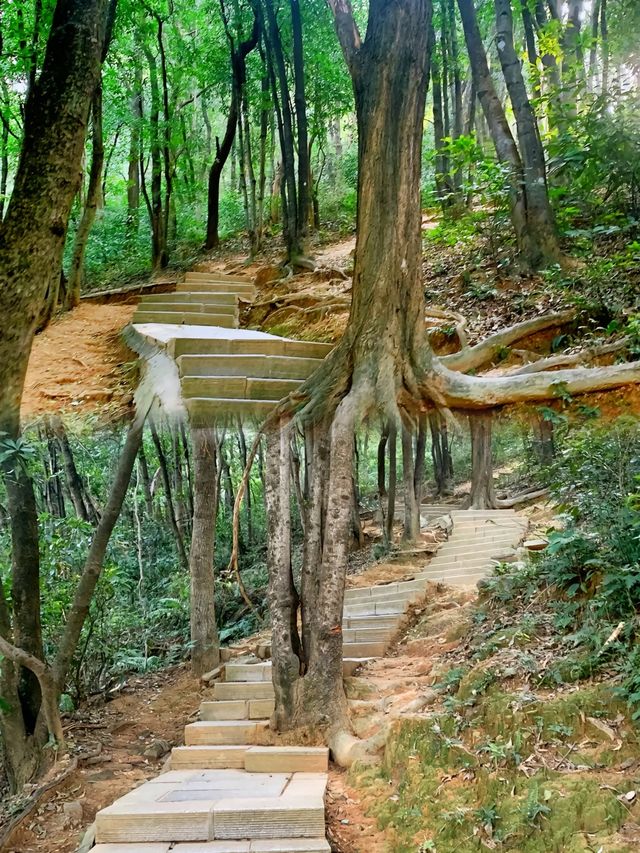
80,497
133,182
382,453
304,166
92,202
441,454
164,470
540,217
483,494
392,444
411,507
205,645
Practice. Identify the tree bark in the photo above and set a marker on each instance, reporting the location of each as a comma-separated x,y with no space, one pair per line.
482,494
540,217
205,645
92,202
80,497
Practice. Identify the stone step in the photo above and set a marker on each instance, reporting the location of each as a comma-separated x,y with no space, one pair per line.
237,387
154,847
248,672
204,411
207,805
478,548
182,318
453,566
262,367
196,308
376,608
245,291
197,275
251,346
237,709
224,732
460,578
225,302
384,590
363,622
228,691
367,635
461,514
287,759
207,757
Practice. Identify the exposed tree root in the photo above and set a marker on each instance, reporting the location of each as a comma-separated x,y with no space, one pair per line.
523,498
565,360
484,352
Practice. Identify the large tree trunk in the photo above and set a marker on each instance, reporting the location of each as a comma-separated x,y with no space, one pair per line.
205,646
31,243
375,356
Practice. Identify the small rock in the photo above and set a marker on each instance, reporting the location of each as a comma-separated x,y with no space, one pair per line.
73,811
157,749
535,544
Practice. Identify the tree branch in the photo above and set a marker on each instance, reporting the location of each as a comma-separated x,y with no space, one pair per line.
347,30
567,359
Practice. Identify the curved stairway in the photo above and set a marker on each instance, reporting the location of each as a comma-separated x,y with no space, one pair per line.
229,789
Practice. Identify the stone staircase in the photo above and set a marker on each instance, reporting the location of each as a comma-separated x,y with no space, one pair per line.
230,788
215,369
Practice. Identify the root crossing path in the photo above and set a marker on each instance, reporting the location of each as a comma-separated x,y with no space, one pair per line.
233,788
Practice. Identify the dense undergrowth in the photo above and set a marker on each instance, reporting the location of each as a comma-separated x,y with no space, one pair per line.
534,744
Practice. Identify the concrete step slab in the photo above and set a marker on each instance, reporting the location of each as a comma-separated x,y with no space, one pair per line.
251,346
208,757
167,821
205,411
247,672
251,709
364,622
242,387
376,608
367,635
215,275
224,732
260,367
223,299
282,817
226,691
288,759
181,318
188,306
154,847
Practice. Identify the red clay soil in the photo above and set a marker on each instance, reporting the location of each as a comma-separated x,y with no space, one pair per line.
79,364
109,741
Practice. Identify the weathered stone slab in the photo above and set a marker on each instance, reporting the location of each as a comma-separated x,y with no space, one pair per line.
214,847
294,759
364,650
236,709
248,672
181,318
261,709
290,845
226,690
231,732
160,847
209,757
129,822
281,817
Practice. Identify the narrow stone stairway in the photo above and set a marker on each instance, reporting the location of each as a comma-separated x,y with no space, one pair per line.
231,788
200,365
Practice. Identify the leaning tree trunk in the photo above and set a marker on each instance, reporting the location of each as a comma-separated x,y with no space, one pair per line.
31,245
205,646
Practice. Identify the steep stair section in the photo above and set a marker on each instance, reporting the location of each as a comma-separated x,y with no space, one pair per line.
203,299
200,364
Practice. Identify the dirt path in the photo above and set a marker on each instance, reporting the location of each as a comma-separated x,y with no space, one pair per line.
79,364
110,741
